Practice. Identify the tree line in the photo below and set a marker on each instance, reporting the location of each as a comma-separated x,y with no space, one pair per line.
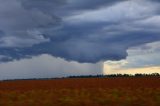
93,76
116,75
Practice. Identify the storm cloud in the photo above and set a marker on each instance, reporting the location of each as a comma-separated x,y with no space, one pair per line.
76,30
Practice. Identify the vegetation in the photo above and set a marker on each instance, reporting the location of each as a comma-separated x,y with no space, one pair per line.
116,75
94,76
82,97
117,91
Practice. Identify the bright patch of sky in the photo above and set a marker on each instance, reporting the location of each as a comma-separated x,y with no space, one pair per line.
140,59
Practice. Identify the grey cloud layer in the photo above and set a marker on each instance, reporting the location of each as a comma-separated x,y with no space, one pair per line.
79,30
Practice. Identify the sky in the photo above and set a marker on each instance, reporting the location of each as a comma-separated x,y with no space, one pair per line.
56,38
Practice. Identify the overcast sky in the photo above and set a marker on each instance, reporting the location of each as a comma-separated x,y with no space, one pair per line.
54,38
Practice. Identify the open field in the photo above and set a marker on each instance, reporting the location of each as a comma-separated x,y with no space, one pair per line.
127,91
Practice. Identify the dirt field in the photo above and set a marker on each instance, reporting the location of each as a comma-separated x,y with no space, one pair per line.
142,91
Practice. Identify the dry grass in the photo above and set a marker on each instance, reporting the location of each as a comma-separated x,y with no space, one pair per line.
82,92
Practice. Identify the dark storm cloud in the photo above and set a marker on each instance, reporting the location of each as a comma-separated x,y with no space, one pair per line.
1,33
76,6
90,4
79,30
